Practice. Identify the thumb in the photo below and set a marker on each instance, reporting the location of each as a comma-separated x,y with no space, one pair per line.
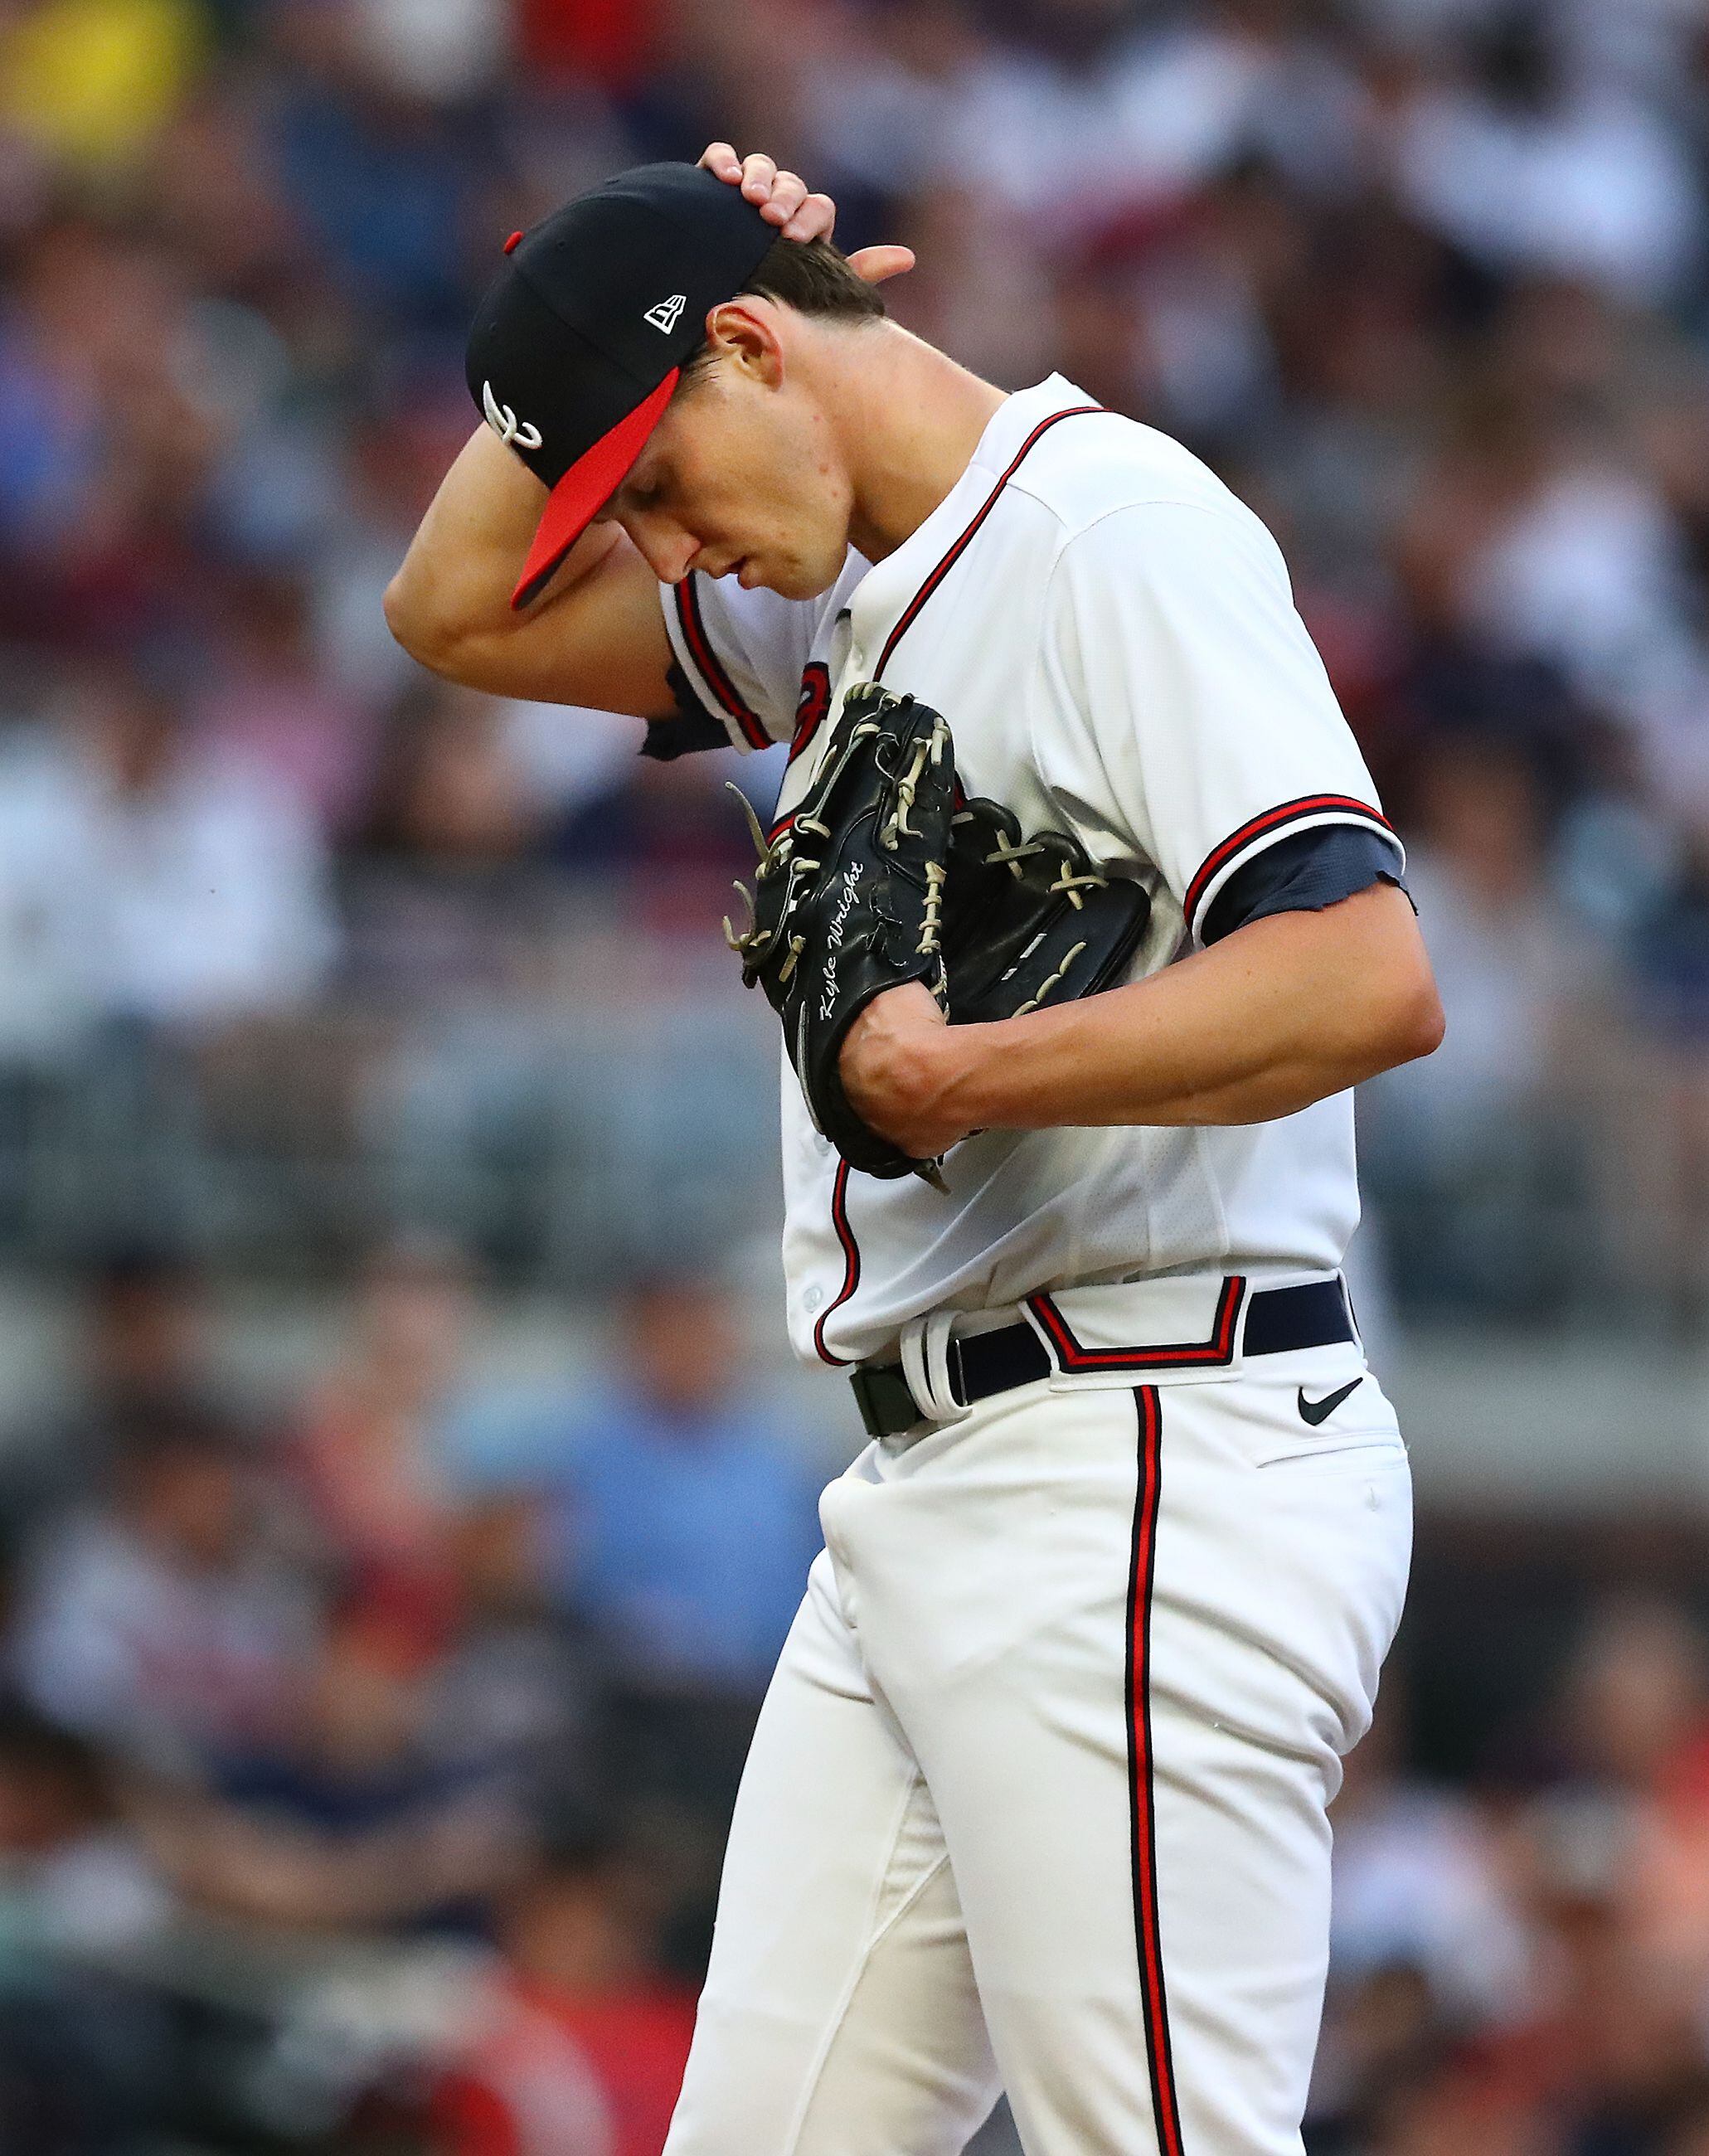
876,263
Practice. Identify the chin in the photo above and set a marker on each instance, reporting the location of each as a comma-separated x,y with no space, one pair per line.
801,580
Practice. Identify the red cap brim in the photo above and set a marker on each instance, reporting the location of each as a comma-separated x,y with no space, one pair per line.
585,489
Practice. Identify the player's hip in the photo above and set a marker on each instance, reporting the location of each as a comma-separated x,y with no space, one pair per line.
1019,1547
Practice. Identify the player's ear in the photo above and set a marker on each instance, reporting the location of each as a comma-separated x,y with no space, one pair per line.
745,335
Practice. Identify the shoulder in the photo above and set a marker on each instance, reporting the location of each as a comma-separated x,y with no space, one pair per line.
1098,466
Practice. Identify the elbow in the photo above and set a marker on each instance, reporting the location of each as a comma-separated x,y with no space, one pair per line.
1413,1024
423,634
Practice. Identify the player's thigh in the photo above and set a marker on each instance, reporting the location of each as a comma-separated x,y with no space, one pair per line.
840,2016
1133,1788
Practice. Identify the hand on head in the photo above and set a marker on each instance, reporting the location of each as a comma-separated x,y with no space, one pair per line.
782,199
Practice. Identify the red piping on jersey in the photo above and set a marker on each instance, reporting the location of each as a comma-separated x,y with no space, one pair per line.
812,705
839,1195
700,644
1142,1776
1210,1354
851,1267
910,611
1265,826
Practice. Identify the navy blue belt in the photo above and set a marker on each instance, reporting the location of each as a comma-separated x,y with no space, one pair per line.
1278,1321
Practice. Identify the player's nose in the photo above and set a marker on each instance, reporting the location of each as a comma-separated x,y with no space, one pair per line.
667,549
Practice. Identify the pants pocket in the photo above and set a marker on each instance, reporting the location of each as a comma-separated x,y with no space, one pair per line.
1354,1451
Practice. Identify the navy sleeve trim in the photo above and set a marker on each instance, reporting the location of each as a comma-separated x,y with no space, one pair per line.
1310,811
687,729
1302,872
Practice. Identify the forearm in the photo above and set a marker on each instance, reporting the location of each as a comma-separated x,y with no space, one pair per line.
456,583
1276,1016
596,636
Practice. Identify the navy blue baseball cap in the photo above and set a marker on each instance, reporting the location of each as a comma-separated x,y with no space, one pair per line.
577,346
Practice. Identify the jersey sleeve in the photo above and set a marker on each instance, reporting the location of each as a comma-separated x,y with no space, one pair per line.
1301,872
742,653
1176,631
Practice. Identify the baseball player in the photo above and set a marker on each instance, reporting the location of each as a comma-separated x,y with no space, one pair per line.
1037,1799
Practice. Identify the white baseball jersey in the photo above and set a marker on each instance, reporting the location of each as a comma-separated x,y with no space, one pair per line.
1112,638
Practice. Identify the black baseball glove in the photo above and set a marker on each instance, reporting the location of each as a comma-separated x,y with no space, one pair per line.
1029,921
881,877
849,896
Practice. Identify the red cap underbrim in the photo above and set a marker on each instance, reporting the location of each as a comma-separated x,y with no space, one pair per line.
585,489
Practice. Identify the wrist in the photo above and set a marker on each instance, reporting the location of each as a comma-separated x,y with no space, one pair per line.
1018,1074
969,1059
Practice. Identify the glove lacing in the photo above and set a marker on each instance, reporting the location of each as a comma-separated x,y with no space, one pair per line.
1006,855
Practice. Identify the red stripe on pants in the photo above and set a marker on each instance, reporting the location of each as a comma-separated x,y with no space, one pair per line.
1154,1996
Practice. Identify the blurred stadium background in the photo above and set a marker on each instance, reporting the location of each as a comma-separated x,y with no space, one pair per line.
402,1486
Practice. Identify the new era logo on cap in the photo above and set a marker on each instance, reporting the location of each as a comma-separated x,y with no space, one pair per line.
664,315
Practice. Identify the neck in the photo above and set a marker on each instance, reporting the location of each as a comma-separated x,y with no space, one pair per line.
908,421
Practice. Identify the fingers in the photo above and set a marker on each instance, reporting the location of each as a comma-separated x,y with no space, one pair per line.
876,264
758,174
813,218
781,197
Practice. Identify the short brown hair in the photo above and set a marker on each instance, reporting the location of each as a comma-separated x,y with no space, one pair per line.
814,279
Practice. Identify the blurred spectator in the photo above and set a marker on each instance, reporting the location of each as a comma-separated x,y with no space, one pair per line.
1614,2038
685,1522
513,1696
1634,1719
69,1875
144,878
679,1527
384,176
1419,1887
82,2059
160,1620
1536,537
1527,164
347,1819
1121,122
442,892
371,1443
91,81
1469,1128
273,705
582,2042
139,1354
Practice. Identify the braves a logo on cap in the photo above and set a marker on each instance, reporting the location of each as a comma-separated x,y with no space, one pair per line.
665,314
504,422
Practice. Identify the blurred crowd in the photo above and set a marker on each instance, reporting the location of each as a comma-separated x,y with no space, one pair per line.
366,1748
1522,1966
364,1754
1426,278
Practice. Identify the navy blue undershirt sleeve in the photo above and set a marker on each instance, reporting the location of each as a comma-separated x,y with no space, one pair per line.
1302,873
687,729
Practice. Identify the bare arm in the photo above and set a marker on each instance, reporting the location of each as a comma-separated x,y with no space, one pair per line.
1282,1013
597,635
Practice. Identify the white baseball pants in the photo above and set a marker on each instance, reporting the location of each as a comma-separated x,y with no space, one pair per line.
1036,1800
